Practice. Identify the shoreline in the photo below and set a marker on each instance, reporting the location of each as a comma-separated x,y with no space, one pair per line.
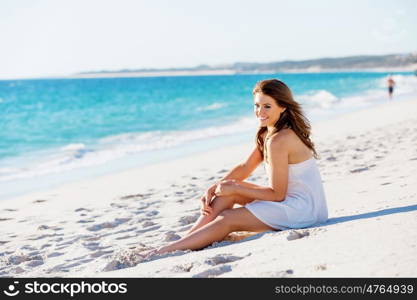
339,121
368,159
33,176
156,157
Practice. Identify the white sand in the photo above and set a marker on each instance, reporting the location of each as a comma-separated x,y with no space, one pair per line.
368,165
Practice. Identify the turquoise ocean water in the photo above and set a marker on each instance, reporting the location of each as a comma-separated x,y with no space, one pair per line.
58,130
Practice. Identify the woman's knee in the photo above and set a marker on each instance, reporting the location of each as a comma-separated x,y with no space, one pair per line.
236,199
224,202
219,204
228,197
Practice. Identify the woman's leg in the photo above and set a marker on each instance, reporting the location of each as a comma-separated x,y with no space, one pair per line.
237,219
218,205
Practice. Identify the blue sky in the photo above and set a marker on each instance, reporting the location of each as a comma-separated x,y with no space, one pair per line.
60,37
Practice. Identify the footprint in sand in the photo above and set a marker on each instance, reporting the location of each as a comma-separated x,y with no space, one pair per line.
152,213
107,225
183,268
20,258
295,235
85,221
359,170
45,246
279,274
65,268
93,238
17,270
39,201
148,224
331,158
34,263
55,228
171,236
55,254
222,259
128,258
141,231
91,245
82,209
28,247
213,272
134,196
40,237
124,237
321,267
118,205
185,220
100,253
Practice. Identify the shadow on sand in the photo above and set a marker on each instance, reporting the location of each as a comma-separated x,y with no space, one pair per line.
332,221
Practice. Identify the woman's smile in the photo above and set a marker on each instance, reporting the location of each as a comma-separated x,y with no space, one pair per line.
266,110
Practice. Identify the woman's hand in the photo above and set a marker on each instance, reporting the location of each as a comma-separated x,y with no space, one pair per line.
206,200
226,188
210,194
223,188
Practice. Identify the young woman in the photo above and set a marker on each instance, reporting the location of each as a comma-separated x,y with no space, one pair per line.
294,197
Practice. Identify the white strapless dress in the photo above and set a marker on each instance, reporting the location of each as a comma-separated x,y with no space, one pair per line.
305,202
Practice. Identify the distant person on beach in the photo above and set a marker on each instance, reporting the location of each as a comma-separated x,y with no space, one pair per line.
294,197
390,84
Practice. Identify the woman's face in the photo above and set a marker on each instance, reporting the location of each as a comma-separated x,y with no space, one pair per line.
267,111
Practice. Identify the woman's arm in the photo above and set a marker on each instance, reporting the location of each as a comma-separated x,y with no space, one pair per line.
260,193
239,172
278,155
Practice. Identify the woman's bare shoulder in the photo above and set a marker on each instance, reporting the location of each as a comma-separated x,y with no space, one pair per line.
283,136
287,140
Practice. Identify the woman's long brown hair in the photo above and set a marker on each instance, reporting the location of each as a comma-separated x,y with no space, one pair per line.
292,117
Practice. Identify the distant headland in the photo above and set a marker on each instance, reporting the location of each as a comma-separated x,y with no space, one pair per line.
376,63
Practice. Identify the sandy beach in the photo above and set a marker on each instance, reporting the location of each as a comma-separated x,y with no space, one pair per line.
368,165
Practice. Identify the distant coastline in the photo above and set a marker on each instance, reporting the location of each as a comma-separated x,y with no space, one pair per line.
226,72
370,63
